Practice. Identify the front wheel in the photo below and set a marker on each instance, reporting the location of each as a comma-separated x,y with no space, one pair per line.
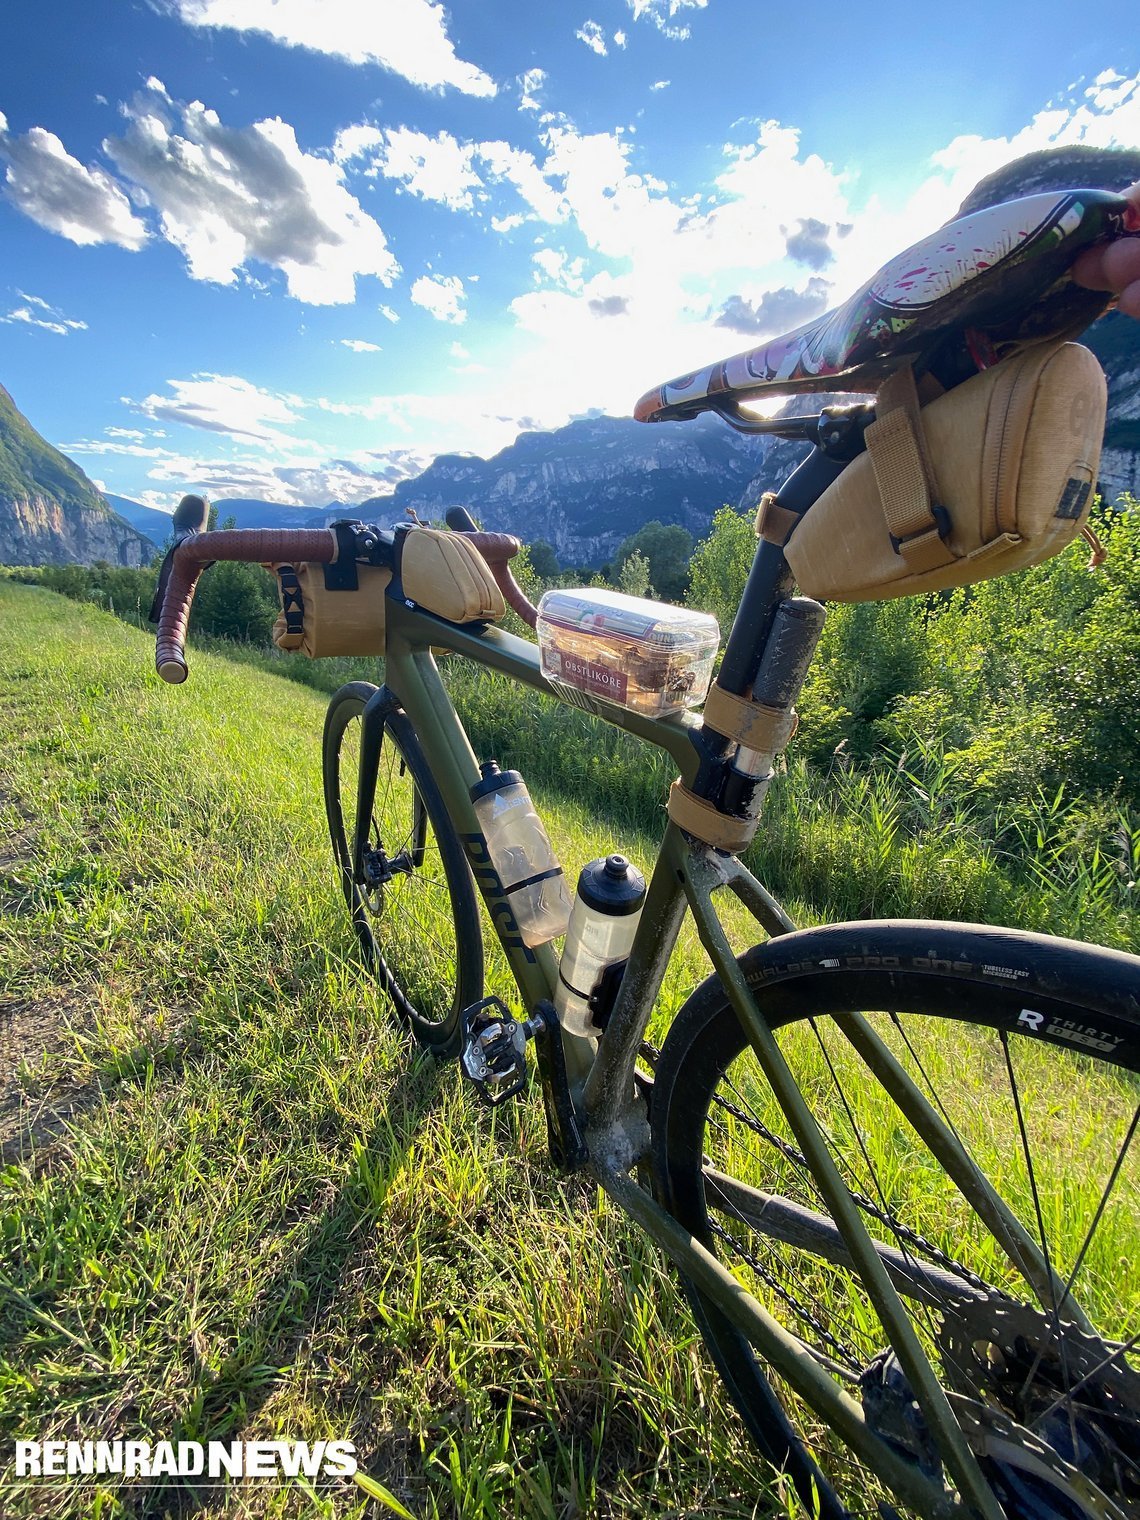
403,872
1026,1050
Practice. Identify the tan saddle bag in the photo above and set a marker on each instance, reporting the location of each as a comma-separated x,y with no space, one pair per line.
994,475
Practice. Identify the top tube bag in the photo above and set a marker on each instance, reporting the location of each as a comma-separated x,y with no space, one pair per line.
989,477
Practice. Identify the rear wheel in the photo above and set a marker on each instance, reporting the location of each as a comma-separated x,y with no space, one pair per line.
1028,1049
403,872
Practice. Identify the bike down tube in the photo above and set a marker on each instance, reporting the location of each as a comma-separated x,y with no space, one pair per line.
412,675
699,884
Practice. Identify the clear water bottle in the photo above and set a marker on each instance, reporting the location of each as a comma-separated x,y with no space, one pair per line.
521,854
606,912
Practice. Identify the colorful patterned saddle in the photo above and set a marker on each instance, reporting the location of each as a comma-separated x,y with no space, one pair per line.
956,302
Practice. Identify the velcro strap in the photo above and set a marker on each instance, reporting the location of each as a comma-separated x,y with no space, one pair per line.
701,819
292,608
905,477
757,726
774,523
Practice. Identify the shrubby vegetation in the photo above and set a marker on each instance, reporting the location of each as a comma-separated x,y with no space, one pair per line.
971,754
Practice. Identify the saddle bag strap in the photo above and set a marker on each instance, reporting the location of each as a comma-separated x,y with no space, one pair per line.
774,523
767,730
704,822
917,522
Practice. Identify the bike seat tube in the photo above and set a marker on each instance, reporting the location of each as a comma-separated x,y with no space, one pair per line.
769,579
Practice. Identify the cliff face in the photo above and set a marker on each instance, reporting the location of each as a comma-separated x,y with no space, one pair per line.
587,486
50,513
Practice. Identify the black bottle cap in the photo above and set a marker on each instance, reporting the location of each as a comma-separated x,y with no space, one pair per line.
493,779
612,885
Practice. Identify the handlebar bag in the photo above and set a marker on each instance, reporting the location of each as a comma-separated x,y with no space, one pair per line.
444,574
989,477
321,617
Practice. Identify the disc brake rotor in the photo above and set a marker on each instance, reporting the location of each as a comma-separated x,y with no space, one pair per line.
1056,1409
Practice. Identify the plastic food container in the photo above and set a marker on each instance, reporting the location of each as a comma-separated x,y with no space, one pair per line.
647,656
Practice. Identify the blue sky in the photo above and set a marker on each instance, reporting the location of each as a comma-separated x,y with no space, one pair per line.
295,248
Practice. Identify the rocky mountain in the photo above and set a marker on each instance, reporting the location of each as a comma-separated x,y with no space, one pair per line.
1055,169
151,522
50,513
1115,340
587,486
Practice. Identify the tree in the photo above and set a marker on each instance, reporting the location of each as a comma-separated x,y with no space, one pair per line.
634,577
720,566
543,560
236,601
667,549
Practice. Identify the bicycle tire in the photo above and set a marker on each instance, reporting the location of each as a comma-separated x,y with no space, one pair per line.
412,902
1022,1004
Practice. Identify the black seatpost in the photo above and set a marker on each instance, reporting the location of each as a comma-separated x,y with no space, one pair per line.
769,579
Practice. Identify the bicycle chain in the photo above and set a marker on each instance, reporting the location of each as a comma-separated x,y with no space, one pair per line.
903,1233
845,1353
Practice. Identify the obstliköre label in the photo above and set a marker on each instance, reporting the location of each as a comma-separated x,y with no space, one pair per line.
599,680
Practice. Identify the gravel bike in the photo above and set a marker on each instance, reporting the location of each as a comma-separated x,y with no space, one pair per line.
893,1162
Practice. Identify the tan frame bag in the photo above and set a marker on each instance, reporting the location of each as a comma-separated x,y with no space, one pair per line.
994,475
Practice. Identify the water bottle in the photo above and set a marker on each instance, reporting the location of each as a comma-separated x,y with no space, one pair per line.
604,919
521,854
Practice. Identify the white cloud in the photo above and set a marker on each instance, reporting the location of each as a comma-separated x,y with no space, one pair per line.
442,296
1107,116
359,345
660,84
112,445
308,481
519,168
507,223
616,210
37,312
661,13
407,36
225,404
620,39
226,195
530,84
84,205
592,35
356,142
559,268
434,168
392,316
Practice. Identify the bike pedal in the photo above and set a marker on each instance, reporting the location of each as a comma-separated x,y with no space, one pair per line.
493,1057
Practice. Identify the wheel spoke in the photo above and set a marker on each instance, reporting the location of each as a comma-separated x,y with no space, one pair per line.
414,910
1012,1362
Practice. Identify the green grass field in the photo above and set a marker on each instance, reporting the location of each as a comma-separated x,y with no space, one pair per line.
235,1203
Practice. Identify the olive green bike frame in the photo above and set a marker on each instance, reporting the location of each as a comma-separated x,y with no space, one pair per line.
601,1073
